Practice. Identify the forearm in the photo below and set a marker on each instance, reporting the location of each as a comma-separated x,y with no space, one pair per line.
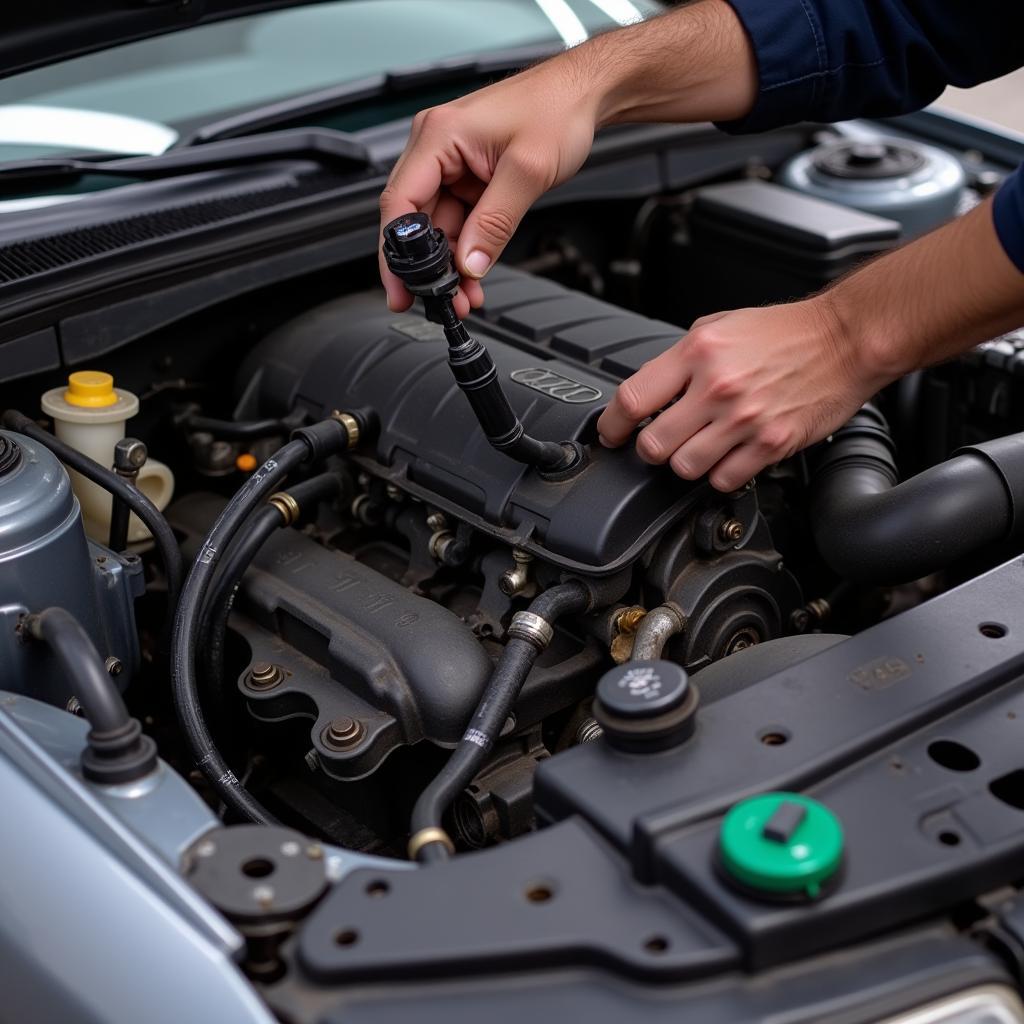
931,299
691,64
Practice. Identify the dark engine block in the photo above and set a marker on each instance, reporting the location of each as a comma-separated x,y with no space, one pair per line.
392,623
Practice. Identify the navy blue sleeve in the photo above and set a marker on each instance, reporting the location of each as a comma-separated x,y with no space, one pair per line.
831,60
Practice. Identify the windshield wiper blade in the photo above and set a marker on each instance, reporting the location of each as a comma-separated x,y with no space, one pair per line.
387,84
319,144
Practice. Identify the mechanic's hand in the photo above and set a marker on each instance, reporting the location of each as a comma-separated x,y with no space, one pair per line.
754,386
494,152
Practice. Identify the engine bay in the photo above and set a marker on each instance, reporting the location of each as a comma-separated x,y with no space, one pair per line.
821,629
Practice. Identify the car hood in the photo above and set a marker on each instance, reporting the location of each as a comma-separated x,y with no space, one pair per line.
54,30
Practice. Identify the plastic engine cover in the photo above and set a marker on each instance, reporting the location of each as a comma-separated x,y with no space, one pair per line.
352,354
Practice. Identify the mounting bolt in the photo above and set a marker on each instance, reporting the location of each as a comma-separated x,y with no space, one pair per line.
819,609
815,612
437,522
741,640
440,545
514,581
74,705
130,456
114,666
264,675
731,530
263,895
364,509
342,733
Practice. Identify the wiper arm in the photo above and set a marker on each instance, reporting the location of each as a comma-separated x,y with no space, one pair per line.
387,84
319,144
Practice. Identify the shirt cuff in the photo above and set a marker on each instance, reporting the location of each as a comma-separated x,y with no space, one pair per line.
792,62
1008,216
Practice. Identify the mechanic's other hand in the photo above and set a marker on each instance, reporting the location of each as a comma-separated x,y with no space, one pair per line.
754,386
476,165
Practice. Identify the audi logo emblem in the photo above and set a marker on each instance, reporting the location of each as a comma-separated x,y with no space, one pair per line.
555,385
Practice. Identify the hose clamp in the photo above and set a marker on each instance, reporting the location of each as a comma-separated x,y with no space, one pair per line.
426,836
532,628
286,505
351,425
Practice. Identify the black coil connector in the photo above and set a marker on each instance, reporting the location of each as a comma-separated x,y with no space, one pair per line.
418,254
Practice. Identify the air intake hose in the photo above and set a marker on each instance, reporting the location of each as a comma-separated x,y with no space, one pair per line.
871,529
116,750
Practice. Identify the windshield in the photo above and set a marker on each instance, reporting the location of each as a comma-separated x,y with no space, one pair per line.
178,81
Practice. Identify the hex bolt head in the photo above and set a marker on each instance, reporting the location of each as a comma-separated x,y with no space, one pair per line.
130,454
513,581
342,733
731,530
114,666
263,675
799,619
263,895
741,640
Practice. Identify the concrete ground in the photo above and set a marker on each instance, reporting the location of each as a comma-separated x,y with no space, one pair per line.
1000,101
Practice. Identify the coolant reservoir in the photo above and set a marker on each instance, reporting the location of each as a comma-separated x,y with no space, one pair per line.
90,415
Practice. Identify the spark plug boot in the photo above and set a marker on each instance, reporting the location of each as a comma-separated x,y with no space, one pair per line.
418,254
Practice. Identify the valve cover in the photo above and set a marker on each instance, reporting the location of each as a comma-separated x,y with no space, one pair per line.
352,354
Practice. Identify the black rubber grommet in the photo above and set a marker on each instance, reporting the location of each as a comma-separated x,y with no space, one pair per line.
113,758
578,461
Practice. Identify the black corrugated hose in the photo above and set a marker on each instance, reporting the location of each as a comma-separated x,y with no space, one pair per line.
311,444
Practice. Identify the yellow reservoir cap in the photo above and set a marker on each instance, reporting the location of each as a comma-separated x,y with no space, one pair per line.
90,389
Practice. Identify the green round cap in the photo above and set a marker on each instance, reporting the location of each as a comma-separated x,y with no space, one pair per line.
781,843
